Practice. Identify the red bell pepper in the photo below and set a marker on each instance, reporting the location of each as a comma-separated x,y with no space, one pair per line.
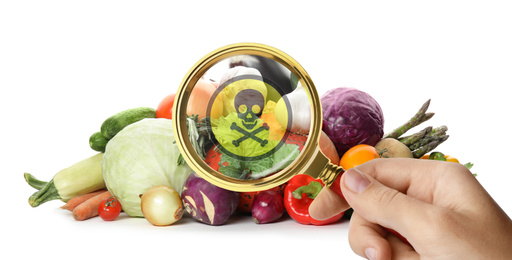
300,191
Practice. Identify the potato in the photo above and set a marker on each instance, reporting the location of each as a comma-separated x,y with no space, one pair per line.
392,148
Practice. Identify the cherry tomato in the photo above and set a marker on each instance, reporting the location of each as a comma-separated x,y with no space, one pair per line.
109,209
164,109
358,155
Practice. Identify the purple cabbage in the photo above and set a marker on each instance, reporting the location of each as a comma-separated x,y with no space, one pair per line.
351,117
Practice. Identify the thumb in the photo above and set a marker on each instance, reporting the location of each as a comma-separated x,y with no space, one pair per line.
383,205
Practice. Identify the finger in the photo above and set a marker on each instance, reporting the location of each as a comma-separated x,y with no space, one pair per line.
400,173
425,180
327,204
400,249
367,239
385,206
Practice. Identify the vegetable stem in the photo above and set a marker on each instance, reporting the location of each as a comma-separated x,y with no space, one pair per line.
411,139
34,182
194,137
439,131
47,193
311,190
422,142
429,146
420,117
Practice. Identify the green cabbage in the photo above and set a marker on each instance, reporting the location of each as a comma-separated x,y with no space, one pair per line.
142,155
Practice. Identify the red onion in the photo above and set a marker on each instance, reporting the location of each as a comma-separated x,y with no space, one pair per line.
267,207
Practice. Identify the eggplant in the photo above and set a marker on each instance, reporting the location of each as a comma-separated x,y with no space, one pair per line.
206,202
273,73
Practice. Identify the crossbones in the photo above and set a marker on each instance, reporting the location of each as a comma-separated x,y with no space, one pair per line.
248,134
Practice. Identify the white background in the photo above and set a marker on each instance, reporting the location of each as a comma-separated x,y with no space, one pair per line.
67,65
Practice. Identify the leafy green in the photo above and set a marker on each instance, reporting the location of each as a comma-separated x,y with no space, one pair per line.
141,156
255,169
221,128
250,159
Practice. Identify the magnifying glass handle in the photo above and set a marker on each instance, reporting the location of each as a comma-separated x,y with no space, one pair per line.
330,201
329,173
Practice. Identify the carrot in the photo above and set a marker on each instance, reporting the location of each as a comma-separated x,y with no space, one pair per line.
89,208
74,202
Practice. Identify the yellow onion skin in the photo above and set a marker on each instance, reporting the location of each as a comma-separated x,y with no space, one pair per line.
161,205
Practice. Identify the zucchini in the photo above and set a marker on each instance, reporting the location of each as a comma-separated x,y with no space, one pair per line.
98,142
114,124
34,182
80,178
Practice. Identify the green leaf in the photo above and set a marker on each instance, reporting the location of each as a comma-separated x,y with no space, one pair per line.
243,166
258,168
469,165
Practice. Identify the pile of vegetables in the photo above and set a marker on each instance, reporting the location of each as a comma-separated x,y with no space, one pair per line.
138,168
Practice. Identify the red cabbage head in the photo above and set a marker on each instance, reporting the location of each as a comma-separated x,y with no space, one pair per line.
351,117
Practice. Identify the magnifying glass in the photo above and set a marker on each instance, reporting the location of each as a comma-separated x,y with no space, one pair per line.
248,119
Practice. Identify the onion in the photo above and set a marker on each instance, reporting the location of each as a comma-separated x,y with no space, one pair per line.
199,99
268,206
161,205
300,111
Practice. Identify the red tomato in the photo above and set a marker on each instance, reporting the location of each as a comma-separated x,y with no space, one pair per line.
164,109
109,209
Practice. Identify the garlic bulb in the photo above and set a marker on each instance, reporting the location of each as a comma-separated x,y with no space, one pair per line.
300,111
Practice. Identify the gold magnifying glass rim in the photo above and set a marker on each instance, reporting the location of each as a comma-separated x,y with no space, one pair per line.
198,165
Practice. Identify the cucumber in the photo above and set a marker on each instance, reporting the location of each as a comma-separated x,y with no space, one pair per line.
98,142
114,124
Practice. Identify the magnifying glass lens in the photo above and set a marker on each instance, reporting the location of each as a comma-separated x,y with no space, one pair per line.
247,117
245,108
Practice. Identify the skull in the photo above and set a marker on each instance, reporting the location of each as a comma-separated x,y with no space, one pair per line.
249,105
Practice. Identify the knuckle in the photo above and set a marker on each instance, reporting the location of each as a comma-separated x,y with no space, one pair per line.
444,219
385,197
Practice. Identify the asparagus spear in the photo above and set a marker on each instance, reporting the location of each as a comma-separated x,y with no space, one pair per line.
424,141
429,146
411,139
420,117
439,131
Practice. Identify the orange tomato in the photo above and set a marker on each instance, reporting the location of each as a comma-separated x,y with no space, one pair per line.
448,158
358,155
451,159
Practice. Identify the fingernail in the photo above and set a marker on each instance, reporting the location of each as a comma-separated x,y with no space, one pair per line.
370,253
355,180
